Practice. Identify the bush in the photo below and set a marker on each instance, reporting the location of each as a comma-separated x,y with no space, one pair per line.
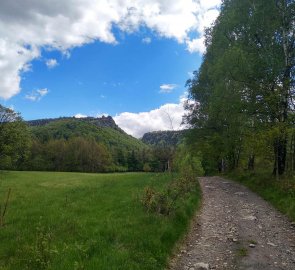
164,202
146,167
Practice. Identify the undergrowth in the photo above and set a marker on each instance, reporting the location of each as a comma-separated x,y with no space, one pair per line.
165,201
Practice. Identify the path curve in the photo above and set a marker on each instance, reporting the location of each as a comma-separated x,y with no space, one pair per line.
236,229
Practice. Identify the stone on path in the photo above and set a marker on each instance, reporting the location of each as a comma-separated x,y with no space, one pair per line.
201,266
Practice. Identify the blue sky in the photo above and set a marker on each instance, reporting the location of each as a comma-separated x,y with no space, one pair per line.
126,59
103,78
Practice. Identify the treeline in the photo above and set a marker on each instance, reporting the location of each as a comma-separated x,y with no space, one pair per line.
164,138
243,94
75,145
80,154
76,155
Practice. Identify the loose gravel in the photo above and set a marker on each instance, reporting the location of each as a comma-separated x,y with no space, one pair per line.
236,229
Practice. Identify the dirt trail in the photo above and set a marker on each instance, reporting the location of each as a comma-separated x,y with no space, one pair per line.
236,229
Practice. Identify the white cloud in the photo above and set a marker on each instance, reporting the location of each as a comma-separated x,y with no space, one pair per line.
51,63
166,117
146,40
205,19
27,26
167,88
37,94
196,45
80,115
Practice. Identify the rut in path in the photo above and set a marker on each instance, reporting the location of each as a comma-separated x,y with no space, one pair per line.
236,229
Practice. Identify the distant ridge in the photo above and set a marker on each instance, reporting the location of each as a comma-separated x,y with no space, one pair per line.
104,121
163,138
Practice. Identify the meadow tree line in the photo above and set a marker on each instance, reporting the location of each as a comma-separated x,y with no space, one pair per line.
242,107
74,146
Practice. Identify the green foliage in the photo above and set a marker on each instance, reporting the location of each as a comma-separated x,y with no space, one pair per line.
42,251
163,157
70,144
146,167
187,162
14,139
88,221
86,145
164,138
76,154
164,202
157,202
112,138
245,87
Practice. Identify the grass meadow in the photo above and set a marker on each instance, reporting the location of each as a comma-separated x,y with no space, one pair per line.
87,221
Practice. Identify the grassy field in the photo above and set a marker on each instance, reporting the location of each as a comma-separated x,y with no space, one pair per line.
87,221
281,194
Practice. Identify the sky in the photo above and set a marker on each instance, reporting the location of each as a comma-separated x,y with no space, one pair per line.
126,58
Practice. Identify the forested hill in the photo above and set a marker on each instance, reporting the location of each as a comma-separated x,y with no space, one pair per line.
103,130
164,138
104,121
83,144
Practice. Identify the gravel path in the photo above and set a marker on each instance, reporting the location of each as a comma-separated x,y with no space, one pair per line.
236,229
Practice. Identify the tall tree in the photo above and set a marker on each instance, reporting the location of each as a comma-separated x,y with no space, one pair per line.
14,139
246,81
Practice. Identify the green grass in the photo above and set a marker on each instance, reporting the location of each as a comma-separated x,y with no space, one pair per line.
87,221
281,194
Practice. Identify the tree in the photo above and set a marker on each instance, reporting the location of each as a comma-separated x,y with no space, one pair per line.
14,139
246,82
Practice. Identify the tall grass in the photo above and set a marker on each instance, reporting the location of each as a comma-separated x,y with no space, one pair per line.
88,221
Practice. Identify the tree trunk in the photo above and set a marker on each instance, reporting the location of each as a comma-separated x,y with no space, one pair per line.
251,162
221,166
280,150
280,145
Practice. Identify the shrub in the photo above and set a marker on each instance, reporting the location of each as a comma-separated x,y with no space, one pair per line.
146,167
164,202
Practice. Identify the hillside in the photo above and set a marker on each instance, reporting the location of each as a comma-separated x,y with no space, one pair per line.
103,130
83,144
163,138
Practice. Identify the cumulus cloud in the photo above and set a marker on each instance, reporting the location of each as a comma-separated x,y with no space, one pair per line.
37,94
167,88
205,19
196,45
166,117
51,63
26,26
